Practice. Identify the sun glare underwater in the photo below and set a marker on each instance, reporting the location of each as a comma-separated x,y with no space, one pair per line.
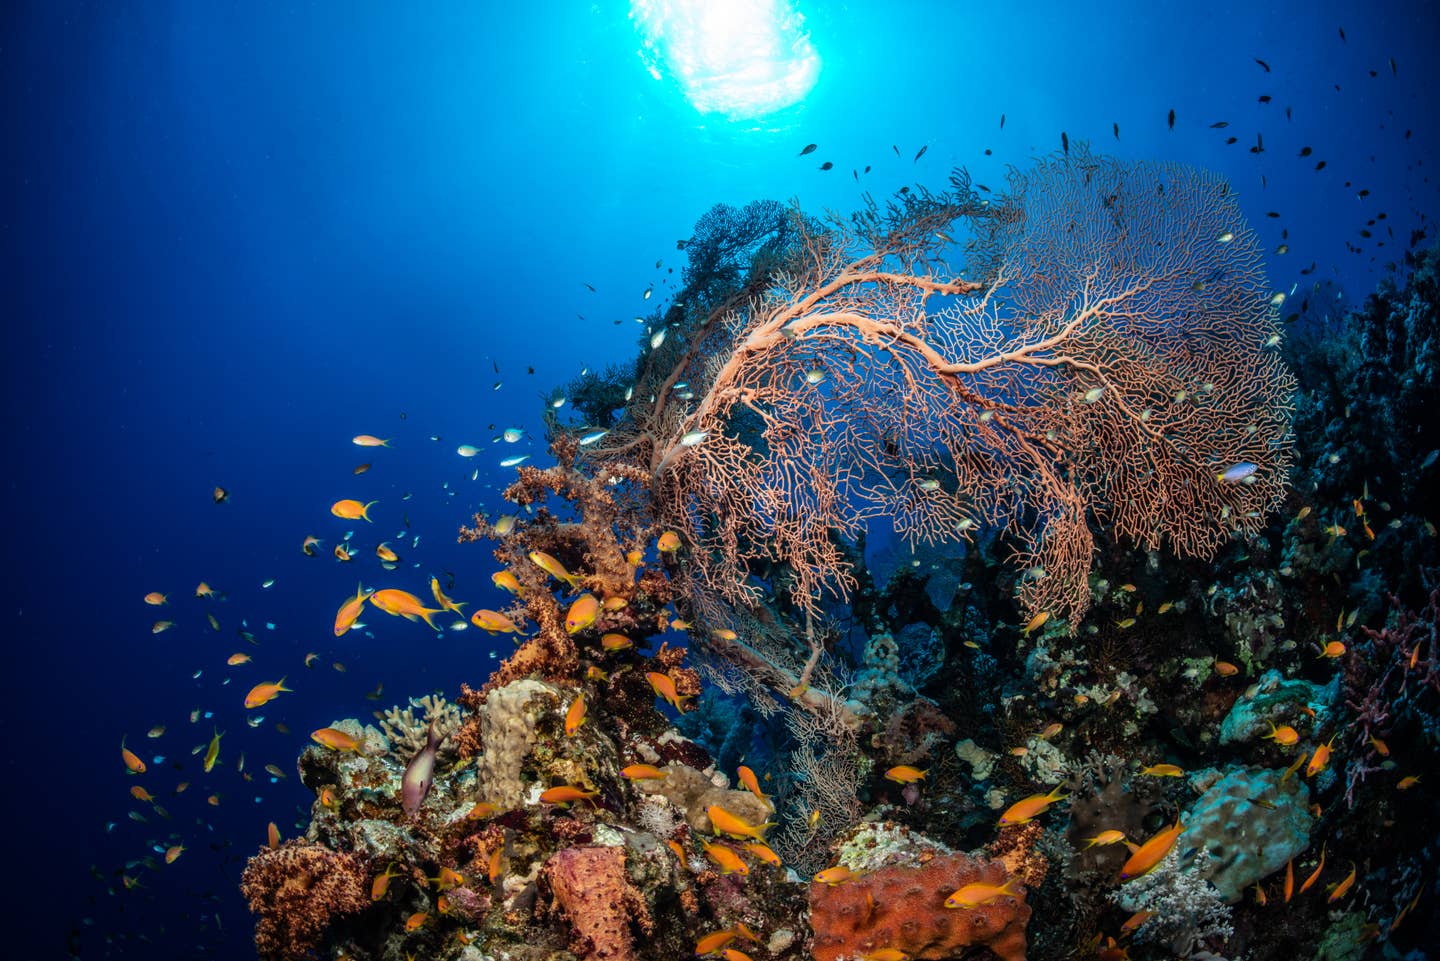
761,480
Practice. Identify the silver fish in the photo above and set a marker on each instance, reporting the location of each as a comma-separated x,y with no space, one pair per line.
420,773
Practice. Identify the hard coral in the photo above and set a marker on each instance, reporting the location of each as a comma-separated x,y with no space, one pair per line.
589,884
297,890
903,906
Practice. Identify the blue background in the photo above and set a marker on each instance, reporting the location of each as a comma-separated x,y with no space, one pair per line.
237,234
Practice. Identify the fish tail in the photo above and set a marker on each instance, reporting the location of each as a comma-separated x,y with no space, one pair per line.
280,686
365,511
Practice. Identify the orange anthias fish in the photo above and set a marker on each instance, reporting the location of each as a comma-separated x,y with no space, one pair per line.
582,613
567,794
1338,891
381,884
1226,669
726,823
506,581
762,851
1284,735
712,943
1321,758
642,772
839,874
974,895
668,543
349,612
155,599
1144,857
337,740
446,604
265,692
352,510
173,853
1111,836
725,858
1163,770
272,835
1027,810
384,552
664,686
1314,875
311,542
904,774
575,716
752,783
404,604
234,660
553,567
616,642
369,440
132,760
493,621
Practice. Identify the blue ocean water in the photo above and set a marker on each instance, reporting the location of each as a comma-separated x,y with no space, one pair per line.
236,235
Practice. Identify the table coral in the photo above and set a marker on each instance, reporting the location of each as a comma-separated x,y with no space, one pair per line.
903,906
590,886
296,890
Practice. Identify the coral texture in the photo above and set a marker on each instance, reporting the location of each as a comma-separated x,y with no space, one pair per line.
1249,825
407,732
507,726
903,906
589,884
295,891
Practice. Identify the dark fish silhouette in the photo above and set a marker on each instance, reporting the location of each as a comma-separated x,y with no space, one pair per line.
921,152
1172,118
1064,143
809,148
1263,64
827,165
855,173
1002,121
1220,125
1115,128
867,168
1393,71
587,287
1342,34
1287,112
1320,165
1230,140
1265,98
896,149
1305,151
1273,213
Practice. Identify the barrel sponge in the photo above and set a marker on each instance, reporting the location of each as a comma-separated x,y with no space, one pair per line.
507,727
903,906
1250,824
589,884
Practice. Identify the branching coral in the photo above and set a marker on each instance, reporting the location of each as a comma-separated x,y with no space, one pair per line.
296,891
407,733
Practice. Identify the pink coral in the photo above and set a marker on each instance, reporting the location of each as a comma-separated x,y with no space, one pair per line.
590,886
904,907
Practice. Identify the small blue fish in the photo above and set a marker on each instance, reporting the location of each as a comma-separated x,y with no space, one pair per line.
1237,473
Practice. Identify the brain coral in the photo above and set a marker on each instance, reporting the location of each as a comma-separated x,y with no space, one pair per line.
1250,825
903,906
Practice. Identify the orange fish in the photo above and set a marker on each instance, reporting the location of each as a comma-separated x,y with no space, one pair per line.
447,879
735,954
384,552
352,510
679,852
643,772
381,884
235,660
361,468
747,778
506,581
616,642
1226,669
341,554
1407,782
904,774
161,626
220,495
328,800
582,613
566,794
495,866
593,673
726,823
1035,623
311,542
1339,890
132,760
482,810
337,740
204,590
668,543
1321,758
1289,888
369,440
664,686
1111,836
443,600
1145,856
1314,875
762,851
272,835
140,794
553,567
839,874
974,895
265,692
1380,746
1163,770
493,621
1284,734
575,716
416,920
349,612
614,603
155,599
1027,810
1134,921
725,858
714,942
1332,649
173,853
404,604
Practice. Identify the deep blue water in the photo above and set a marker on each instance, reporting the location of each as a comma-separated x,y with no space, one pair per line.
237,234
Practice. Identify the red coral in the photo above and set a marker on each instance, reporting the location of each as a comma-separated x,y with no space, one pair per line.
295,891
904,907
589,884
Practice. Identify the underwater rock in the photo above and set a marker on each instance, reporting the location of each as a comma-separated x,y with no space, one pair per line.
1249,825
1277,700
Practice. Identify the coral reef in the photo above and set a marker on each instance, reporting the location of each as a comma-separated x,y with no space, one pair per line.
1248,824
590,886
406,733
296,891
